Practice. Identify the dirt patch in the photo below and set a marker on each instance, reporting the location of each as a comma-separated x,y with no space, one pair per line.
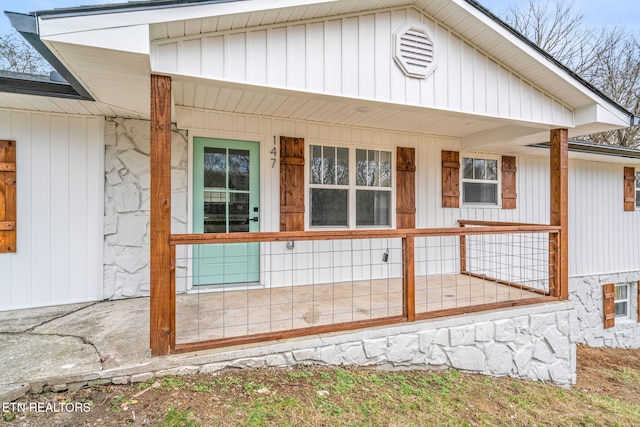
611,372
607,393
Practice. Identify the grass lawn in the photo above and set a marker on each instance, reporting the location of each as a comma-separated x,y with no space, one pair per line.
607,394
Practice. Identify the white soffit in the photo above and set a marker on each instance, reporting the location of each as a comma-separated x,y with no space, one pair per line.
68,23
219,95
134,39
115,78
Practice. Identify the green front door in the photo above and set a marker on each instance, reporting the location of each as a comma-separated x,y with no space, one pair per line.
226,199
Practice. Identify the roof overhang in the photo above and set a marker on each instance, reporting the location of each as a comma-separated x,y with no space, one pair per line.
29,85
118,37
26,25
597,152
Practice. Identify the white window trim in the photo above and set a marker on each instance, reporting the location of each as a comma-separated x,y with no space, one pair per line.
498,203
626,300
352,188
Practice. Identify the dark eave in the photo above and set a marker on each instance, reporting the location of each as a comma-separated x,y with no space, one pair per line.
26,25
600,149
36,85
124,7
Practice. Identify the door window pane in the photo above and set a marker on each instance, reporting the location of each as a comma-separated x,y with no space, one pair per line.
239,170
238,212
215,212
329,207
373,207
215,168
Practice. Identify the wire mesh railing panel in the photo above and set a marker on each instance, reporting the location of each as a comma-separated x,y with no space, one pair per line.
513,258
236,290
454,272
251,287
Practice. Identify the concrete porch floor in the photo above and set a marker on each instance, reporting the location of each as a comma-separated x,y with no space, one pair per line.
233,312
104,342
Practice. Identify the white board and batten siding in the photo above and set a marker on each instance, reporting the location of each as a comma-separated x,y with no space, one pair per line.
351,56
533,178
60,193
603,237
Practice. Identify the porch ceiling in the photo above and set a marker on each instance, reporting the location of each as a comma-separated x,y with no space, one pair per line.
286,104
475,131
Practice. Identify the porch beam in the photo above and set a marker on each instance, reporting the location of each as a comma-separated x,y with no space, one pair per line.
162,292
559,167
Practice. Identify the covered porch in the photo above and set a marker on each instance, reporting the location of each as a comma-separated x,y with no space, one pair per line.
343,280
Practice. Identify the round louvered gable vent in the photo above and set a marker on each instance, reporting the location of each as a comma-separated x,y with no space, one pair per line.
414,51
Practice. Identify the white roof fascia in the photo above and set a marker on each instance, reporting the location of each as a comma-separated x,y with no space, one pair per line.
513,39
597,113
134,39
50,25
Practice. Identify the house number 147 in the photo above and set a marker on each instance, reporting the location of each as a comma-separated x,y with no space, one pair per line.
274,154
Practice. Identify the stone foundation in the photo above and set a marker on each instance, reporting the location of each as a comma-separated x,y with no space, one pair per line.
586,292
126,212
534,342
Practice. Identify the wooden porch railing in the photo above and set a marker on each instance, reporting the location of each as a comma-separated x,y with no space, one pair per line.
408,238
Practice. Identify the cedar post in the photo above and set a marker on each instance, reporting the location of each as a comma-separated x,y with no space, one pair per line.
463,252
559,167
162,325
409,280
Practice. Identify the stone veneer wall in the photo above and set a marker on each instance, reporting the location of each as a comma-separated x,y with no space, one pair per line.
126,205
534,342
586,292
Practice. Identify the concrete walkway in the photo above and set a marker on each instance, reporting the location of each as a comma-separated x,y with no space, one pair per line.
56,346
72,346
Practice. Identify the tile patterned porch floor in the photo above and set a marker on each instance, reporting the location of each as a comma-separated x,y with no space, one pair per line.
232,312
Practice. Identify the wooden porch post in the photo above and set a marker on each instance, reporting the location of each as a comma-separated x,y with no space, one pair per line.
409,279
162,325
559,167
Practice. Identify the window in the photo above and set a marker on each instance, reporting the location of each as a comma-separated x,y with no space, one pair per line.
621,301
637,190
349,187
479,181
